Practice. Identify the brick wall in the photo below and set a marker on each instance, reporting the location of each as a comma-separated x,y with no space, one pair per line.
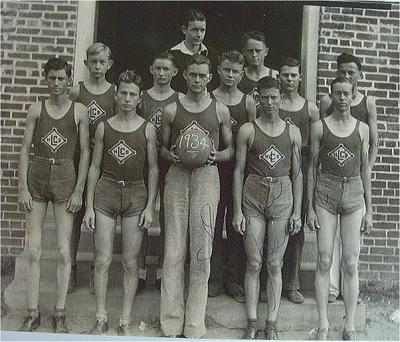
31,32
373,36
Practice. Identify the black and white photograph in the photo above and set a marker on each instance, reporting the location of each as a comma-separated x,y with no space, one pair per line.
217,170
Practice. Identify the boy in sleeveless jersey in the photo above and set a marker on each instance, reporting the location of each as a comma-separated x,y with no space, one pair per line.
55,126
98,95
339,148
298,111
151,107
190,200
124,144
269,203
362,108
194,26
242,109
255,50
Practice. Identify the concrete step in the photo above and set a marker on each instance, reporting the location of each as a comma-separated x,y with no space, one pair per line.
222,311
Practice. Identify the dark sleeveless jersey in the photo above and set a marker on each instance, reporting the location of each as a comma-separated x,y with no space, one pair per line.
124,153
340,156
56,138
238,115
100,106
206,121
299,118
151,109
269,156
360,111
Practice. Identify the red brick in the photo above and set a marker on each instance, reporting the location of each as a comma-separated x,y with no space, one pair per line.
56,16
380,267
364,20
382,251
42,7
389,276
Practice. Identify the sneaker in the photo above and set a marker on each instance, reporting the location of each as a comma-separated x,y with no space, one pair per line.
349,335
322,334
295,296
91,281
59,326
271,333
31,322
331,298
250,332
72,280
124,330
141,285
99,328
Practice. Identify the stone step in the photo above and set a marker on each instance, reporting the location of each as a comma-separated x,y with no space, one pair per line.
221,311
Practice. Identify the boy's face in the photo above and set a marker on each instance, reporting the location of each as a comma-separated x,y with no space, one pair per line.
290,78
127,97
230,73
255,52
197,77
163,70
349,71
57,82
98,65
342,94
270,100
194,32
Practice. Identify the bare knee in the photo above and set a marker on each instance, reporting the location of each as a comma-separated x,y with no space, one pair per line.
34,254
63,255
324,262
130,264
253,265
102,262
274,267
350,266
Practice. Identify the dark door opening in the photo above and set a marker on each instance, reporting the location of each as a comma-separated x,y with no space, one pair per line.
135,31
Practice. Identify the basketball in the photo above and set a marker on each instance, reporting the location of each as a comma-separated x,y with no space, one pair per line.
193,147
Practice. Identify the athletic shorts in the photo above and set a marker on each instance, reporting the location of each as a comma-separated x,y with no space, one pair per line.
119,198
339,195
51,179
268,197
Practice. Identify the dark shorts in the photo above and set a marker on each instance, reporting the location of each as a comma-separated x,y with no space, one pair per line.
339,195
51,179
117,198
267,197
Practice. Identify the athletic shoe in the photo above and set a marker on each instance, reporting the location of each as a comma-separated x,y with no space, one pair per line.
124,330
58,322
295,296
349,335
99,328
31,322
250,333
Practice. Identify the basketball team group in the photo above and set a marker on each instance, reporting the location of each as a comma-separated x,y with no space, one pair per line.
240,161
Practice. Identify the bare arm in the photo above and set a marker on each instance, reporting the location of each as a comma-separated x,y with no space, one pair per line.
82,121
146,218
166,121
313,111
226,135
74,93
251,110
324,106
24,197
94,175
373,132
244,140
297,180
315,138
366,223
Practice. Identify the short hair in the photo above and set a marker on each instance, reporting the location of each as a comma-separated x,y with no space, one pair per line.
97,48
164,55
56,63
129,76
342,80
192,14
198,59
232,56
291,62
268,82
256,35
348,58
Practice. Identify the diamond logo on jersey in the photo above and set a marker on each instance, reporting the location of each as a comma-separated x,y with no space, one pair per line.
95,111
54,140
155,119
341,154
121,151
193,126
233,122
271,156
255,95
